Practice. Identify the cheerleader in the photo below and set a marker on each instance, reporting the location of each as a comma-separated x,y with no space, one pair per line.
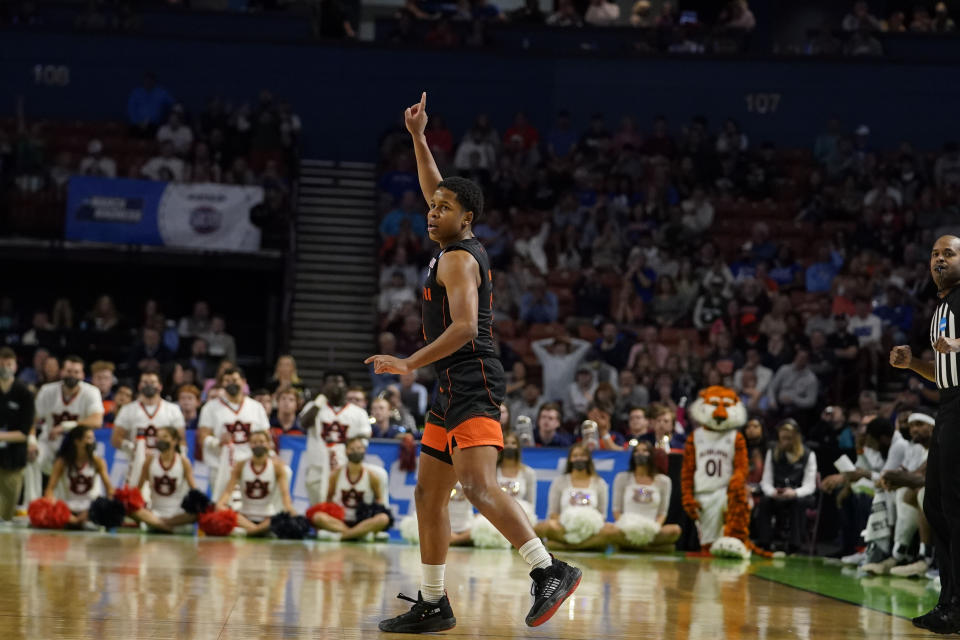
359,491
78,475
259,479
641,498
169,476
514,477
461,517
578,506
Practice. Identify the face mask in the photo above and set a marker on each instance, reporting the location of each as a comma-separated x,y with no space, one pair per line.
579,465
70,382
149,391
5,373
355,458
642,459
91,449
259,452
163,445
511,453
232,389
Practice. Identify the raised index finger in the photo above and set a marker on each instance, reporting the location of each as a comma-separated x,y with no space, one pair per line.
423,101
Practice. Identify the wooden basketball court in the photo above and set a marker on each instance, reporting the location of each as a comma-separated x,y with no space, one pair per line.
128,585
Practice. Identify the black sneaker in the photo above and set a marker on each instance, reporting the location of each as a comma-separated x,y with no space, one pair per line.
423,617
921,621
550,588
942,620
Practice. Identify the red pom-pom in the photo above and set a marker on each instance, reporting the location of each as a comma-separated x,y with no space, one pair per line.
217,523
130,498
330,508
48,514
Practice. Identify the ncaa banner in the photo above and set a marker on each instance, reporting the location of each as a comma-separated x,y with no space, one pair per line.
547,463
192,216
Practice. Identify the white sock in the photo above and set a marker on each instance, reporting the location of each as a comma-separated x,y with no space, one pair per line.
535,554
431,584
924,552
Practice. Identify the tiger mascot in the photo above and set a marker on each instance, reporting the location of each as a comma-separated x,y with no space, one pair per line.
714,479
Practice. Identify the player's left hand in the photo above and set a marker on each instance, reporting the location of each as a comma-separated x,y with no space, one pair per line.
947,345
388,364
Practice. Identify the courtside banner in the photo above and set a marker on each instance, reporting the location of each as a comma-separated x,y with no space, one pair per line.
548,464
192,216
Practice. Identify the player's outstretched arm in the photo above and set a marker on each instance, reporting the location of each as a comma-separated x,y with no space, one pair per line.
415,117
459,273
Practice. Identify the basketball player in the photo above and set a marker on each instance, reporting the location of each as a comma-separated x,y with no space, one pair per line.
60,406
261,479
941,502
135,427
330,421
351,486
80,474
462,437
225,427
169,475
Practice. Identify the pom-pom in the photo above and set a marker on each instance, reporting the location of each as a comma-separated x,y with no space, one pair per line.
195,502
366,511
332,509
48,514
106,512
727,547
408,454
580,523
288,527
485,535
130,498
529,510
639,530
410,528
217,523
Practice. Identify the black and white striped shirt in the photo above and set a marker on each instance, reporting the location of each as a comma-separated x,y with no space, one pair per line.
944,323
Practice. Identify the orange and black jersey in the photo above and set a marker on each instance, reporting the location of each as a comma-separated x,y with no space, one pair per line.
436,307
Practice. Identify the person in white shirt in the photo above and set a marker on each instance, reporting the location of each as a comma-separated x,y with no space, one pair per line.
360,492
60,406
788,484
166,166
169,476
220,344
601,13
764,374
78,475
475,145
330,421
865,325
225,427
176,133
95,163
260,480
643,491
560,358
136,425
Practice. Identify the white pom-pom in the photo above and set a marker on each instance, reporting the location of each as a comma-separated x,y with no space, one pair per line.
727,547
409,529
639,530
528,509
580,523
485,535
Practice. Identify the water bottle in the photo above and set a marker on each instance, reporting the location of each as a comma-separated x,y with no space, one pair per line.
590,433
524,429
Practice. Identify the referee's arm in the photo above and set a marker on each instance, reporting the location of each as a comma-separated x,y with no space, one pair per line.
902,358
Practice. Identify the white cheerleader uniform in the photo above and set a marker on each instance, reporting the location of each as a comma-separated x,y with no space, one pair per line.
167,487
461,511
642,499
258,489
80,487
350,494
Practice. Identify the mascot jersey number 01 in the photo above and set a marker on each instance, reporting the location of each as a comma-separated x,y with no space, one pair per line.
714,480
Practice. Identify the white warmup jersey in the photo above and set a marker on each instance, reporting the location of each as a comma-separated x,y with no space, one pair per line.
140,424
350,493
641,499
52,409
461,511
515,486
915,456
237,420
715,453
80,487
333,427
258,488
168,486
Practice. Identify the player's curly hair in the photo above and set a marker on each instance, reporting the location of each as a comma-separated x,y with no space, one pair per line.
469,194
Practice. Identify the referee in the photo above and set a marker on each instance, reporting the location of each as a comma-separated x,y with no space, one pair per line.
941,504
